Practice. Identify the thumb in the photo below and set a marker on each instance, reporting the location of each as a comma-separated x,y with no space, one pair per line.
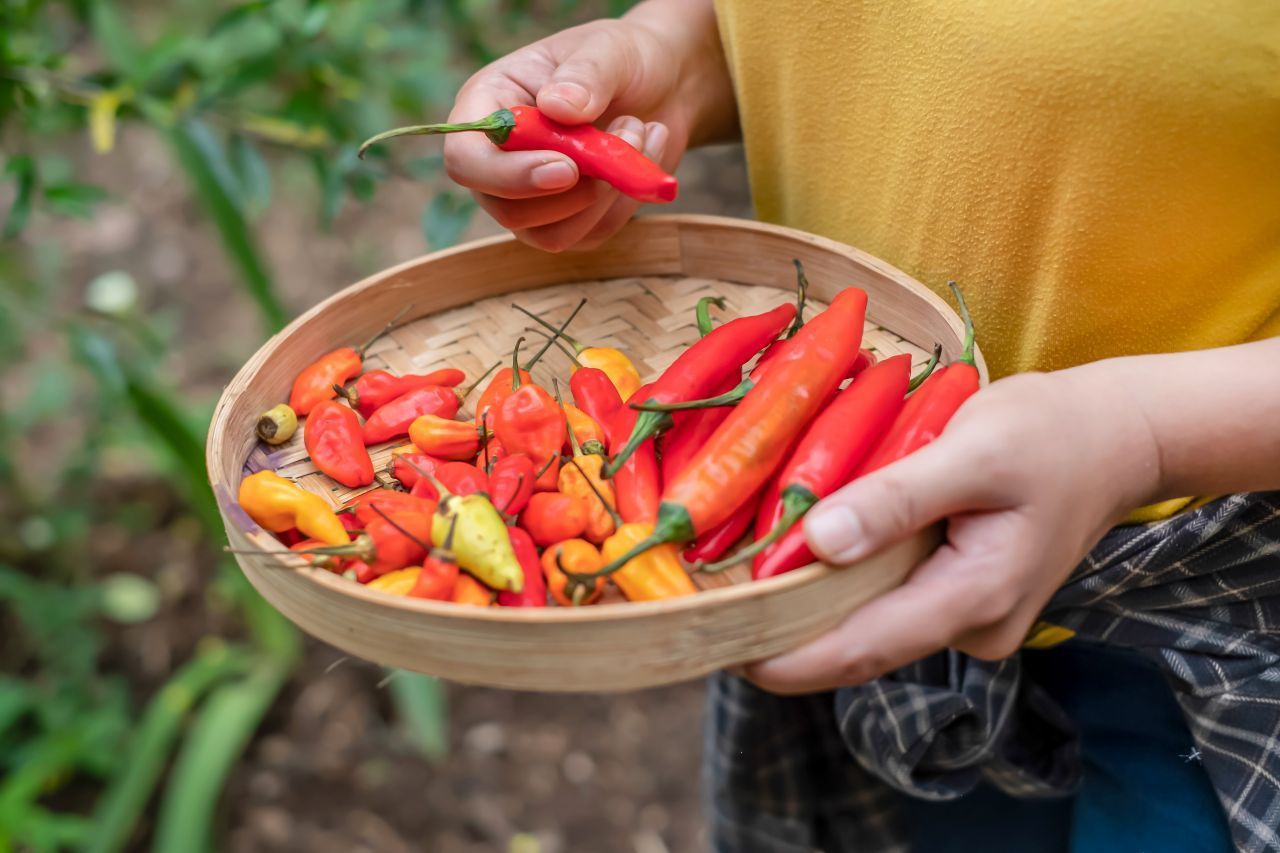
890,504
585,83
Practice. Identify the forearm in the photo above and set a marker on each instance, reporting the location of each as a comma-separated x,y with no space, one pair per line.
1213,417
706,90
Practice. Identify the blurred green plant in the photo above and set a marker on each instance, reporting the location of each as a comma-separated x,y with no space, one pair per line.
236,91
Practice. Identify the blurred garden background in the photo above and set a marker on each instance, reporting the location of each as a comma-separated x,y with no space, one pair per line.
178,180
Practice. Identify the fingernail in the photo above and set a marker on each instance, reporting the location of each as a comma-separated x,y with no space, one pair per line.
556,175
655,140
834,532
572,94
630,129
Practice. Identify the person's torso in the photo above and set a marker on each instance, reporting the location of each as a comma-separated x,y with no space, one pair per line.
1101,177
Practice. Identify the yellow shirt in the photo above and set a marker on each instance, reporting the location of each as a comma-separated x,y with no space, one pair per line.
1102,177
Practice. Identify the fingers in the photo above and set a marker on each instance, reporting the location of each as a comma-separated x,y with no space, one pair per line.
885,506
944,596
586,80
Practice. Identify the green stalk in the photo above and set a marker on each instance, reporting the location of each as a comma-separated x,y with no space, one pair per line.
497,126
967,356
927,370
796,501
127,793
216,740
556,332
673,525
728,398
648,424
703,313
802,296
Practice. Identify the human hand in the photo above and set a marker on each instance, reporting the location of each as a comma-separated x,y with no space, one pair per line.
644,64
1028,475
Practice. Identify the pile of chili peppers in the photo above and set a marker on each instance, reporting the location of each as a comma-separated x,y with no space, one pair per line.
535,497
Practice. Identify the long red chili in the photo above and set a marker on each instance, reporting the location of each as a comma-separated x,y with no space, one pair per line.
393,419
840,438
717,541
379,387
598,154
595,393
689,431
335,443
534,592
753,441
702,368
930,408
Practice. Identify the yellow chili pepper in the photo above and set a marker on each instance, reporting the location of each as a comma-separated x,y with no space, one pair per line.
585,428
581,477
480,541
652,575
398,582
279,504
621,372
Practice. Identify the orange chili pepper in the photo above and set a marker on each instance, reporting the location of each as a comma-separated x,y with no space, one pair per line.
582,476
399,582
335,443
651,575
554,517
586,429
316,382
444,438
575,555
471,592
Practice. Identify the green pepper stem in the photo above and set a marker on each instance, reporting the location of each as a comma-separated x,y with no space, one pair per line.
728,398
967,355
466,392
927,370
673,525
703,313
560,333
360,350
802,297
568,353
648,424
796,501
497,126
426,546
540,353
515,365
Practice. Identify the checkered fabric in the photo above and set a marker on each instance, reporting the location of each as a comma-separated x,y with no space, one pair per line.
1198,594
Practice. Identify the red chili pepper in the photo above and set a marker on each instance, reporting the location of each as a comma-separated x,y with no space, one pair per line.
530,422
595,393
501,386
703,367
367,506
831,449
336,444
379,387
361,569
637,487
316,382
928,410
351,522
462,479
716,542
393,540
394,418
743,454
553,517
866,359
511,483
439,575
598,154
534,593
292,536
409,466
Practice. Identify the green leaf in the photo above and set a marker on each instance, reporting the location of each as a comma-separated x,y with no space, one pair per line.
114,37
72,199
127,793
219,735
421,709
23,170
446,217
252,174
236,237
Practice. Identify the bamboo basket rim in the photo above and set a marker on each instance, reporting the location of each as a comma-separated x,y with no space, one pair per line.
273,551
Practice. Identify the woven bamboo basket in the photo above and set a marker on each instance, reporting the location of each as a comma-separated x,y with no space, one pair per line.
642,288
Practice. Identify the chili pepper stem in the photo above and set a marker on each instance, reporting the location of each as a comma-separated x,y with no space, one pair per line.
802,296
674,525
648,424
360,350
540,353
567,352
728,398
466,392
515,365
414,539
573,439
967,356
573,342
703,313
927,370
362,548
497,126
796,501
